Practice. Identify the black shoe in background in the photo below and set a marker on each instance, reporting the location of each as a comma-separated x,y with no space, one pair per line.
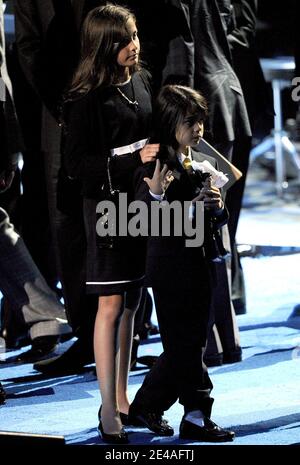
147,360
295,313
232,356
213,360
70,362
41,347
2,395
148,329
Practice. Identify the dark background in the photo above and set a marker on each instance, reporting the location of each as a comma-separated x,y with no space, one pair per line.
277,29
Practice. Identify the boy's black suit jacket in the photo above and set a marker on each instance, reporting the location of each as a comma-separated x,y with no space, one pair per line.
182,189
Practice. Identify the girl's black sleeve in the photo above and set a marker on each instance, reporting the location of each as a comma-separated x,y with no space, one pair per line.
83,148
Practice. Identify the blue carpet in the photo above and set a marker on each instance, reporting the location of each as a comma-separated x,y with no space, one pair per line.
258,398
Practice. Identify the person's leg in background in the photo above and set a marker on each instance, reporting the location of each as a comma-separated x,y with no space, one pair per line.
31,299
234,199
142,328
67,228
2,395
223,337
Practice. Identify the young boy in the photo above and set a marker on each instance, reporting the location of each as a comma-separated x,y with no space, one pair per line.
179,275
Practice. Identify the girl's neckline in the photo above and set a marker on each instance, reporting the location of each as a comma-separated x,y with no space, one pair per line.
119,84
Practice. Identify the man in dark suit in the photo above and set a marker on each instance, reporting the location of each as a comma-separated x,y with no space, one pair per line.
31,300
241,38
47,37
227,119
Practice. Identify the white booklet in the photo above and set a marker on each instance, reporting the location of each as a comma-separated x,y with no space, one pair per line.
233,173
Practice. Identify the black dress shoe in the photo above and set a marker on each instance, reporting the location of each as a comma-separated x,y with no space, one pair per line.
40,348
129,421
295,313
148,360
2,395
210,432
151,420
233,356
213,360
71,361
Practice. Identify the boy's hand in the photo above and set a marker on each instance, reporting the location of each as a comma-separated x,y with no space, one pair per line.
160,179
212,198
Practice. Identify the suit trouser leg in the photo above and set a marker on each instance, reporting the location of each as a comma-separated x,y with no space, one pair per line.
224,315
32,301
223,333
70,253
234,199
179,371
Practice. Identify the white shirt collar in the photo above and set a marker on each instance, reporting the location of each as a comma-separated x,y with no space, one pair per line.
182,156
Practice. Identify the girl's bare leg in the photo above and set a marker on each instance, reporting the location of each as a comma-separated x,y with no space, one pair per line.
106,347
125,338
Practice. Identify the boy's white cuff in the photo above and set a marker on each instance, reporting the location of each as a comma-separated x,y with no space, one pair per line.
157,196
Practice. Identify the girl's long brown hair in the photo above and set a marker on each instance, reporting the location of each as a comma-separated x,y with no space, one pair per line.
104,34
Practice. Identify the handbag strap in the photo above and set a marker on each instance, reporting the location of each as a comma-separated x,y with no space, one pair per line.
111,189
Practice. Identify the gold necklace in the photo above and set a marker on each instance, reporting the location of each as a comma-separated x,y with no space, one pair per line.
135,103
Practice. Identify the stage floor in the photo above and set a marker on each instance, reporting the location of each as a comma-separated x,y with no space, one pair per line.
258,398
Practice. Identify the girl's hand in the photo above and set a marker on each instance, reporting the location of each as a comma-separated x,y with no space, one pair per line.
160,179
149,152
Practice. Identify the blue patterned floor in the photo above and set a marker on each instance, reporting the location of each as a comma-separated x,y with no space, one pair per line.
259,397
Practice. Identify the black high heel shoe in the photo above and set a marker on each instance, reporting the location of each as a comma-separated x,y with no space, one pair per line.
115,438
124,419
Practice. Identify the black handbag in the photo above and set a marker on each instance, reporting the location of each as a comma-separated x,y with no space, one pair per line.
108,241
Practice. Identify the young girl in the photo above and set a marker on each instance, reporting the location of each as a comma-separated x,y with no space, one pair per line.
179,275
108,123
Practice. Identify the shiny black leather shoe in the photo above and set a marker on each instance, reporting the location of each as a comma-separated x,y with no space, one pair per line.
210,432
151,420
129,421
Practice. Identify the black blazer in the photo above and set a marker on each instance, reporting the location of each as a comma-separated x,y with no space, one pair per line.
47,37
166,40
214,74
11,140
182,189
48,46
246,61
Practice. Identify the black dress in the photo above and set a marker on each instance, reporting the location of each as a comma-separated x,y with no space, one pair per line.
99,124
